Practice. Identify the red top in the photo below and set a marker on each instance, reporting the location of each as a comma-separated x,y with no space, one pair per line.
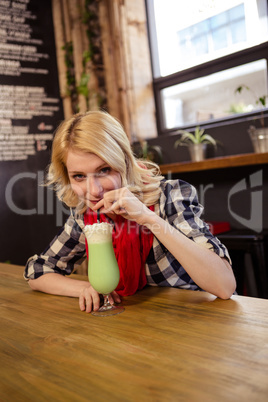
132,244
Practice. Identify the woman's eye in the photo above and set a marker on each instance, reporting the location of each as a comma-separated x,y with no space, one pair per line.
104,171
78,177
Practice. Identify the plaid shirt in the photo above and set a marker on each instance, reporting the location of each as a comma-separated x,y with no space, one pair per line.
178,204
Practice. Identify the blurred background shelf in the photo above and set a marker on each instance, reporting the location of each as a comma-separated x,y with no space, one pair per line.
216,163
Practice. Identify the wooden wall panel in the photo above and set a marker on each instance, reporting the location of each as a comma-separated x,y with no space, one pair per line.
126,58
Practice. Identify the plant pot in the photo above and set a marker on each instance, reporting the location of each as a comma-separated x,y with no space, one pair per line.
259,138
197,152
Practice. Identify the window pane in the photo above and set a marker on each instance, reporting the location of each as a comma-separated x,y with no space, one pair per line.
213,96
219,20
188,35
238,32
220,38
237,12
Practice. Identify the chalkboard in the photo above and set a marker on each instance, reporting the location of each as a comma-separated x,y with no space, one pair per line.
30,111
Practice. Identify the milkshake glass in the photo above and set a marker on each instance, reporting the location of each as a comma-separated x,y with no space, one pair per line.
103,271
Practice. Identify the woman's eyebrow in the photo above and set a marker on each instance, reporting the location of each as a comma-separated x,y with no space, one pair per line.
82,172
102,166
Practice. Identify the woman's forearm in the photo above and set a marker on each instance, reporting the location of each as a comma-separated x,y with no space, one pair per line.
210,272
58,285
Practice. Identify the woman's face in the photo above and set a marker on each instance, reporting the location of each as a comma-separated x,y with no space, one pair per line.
90,176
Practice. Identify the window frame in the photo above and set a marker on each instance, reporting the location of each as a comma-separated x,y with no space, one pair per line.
226,62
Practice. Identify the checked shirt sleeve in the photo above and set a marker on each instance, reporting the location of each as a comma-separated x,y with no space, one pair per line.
180,207
183,211
66,251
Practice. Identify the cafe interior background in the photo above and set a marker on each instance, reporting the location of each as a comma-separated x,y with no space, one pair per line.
159,67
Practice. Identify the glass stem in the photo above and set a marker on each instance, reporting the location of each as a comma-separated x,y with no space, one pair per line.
106,302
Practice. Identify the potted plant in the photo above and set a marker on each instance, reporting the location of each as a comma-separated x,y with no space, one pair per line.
259,136
196,143
152,153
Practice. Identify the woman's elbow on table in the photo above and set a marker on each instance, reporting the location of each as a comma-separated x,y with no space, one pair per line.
227,284
226,292
33,283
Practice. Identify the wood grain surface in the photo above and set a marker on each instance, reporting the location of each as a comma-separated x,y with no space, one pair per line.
168,345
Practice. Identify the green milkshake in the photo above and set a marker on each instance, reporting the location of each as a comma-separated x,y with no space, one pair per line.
103,271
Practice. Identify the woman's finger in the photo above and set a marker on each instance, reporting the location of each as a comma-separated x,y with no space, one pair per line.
89,299
95,301
88,304
116,297
82,303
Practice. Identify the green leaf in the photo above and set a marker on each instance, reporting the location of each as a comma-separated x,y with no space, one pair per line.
198,137
262,100
241,87
208,139
84,80
153,152
144,147
83,86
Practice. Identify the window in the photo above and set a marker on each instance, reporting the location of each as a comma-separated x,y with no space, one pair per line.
213,96
221,31
200,55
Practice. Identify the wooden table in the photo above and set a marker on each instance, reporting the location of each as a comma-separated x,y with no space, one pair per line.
168,345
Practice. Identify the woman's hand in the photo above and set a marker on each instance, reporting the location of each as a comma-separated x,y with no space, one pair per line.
56,284
89,299
123,202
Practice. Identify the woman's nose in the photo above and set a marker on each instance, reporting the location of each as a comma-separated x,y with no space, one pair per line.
94,187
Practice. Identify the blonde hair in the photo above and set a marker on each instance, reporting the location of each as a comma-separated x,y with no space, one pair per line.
99,133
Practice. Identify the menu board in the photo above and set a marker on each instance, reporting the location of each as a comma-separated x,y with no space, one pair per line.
30,111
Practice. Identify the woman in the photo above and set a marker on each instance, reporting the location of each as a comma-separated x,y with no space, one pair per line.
159,238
